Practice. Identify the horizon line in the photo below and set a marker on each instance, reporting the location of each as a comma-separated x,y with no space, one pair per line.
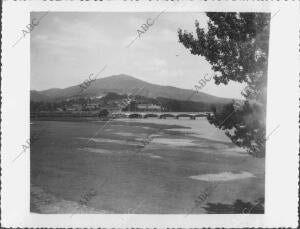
124,74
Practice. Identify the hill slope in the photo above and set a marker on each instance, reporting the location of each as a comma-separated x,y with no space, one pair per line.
124,84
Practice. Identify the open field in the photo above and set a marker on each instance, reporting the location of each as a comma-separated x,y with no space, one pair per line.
164,177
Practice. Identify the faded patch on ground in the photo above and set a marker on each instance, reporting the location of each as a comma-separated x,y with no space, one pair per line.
96,150
225,176
155,156
174,141
107,140
126,134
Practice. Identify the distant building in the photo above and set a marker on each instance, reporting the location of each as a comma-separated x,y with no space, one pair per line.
92,106
148,107
73,108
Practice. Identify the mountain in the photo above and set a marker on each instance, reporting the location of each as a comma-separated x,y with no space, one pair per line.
125,84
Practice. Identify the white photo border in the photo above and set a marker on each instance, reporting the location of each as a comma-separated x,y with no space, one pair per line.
282,158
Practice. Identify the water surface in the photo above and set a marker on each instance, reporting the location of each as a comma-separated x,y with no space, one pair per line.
166,175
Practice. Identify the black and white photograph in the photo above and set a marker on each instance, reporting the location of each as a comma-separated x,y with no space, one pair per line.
150,115
121,132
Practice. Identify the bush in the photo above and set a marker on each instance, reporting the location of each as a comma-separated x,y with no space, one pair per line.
103,113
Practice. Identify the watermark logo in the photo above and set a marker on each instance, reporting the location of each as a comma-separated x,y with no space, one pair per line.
146,140
125,102
145,27
28,142
265,138
204,195
87,83
107,122
85,198
29,28
202,82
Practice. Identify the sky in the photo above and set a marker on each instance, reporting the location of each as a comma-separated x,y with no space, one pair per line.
66,47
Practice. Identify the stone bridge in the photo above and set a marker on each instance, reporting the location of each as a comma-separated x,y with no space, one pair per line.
160,115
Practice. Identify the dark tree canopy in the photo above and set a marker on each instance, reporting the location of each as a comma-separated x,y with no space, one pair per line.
237,46
103,113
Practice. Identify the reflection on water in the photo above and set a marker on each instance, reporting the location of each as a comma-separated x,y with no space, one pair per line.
225,176
107,140
199,127
95,150
194,130
174,141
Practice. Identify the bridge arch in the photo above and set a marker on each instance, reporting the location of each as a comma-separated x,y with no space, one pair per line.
163,116
200,115
135,115
151,115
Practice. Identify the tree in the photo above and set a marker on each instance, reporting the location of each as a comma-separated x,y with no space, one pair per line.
236,46
132,105
103,113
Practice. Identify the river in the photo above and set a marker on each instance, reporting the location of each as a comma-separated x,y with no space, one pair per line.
141,166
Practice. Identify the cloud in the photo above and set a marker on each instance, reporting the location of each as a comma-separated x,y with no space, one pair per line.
159,62
77,35
153,65
170,73
69,45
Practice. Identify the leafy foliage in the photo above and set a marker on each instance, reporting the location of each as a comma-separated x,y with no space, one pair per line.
238,207
103,113
243,126
236,46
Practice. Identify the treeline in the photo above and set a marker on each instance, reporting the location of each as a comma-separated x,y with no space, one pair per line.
63,104
113,99
187,106
169,105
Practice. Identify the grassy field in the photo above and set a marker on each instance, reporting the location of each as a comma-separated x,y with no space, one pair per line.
165,176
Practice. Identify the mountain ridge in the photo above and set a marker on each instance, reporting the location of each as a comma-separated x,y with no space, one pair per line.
124,84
